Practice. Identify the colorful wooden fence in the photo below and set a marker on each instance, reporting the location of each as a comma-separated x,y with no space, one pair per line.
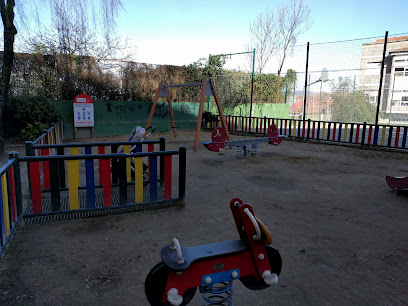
53,135
96,179
362,134
10,200
87,148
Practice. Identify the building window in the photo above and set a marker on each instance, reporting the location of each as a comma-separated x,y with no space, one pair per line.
399,72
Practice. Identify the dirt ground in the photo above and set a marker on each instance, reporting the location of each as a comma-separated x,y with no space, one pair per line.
341,231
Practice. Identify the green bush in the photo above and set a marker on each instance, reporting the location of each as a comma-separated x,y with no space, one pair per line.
27,116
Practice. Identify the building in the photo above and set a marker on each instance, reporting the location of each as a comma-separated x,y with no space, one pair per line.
394,94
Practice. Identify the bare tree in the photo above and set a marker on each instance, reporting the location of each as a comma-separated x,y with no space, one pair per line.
293,20
87,17
274,32
264,37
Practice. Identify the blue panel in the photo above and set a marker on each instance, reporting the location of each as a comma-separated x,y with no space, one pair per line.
2,222
138,148
153,178
90,180
299,124
208,89
163,90
224,276
318,131
376,129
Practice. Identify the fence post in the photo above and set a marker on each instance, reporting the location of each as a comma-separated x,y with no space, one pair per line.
381,78
363,134
389,136
29,148
308,129
115,164
162,149
17,182
182,175
265,127
305,97
61,167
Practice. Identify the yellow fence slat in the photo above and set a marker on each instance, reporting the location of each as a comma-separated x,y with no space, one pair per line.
73,180
5,204
138,180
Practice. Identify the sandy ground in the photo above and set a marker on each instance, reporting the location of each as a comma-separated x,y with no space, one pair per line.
341,231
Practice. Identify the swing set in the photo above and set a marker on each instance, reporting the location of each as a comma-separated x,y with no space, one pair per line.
207,89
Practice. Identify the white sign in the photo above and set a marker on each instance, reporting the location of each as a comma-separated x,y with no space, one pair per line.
83,111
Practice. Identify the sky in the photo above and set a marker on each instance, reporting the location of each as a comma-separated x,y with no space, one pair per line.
181,32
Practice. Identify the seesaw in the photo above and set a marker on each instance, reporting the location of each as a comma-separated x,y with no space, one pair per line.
214,267
244,146
397,184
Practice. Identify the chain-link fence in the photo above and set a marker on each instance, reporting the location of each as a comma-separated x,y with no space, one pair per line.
343,82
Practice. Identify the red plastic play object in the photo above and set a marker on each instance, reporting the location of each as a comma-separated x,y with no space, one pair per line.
273,136
219,140
397,184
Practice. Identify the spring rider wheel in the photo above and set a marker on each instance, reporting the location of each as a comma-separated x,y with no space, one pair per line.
156,283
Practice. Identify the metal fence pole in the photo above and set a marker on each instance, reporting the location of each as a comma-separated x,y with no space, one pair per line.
162,148
381,78
305,94
182,175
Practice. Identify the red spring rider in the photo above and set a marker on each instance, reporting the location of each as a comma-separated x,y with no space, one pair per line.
214,267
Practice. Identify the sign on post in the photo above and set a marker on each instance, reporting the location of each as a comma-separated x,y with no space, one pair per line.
83,111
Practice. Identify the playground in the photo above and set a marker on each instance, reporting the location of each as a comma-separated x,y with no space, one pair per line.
340,230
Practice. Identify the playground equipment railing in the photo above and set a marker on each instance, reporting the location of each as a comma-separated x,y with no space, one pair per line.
87,148
53,135
362,134
10,200
75,184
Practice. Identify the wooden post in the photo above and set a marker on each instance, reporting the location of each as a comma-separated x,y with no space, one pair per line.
217,101
149,121
200,114
173,124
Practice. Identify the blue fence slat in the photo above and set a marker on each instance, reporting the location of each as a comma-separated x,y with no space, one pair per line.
376,129
90,180
2,221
